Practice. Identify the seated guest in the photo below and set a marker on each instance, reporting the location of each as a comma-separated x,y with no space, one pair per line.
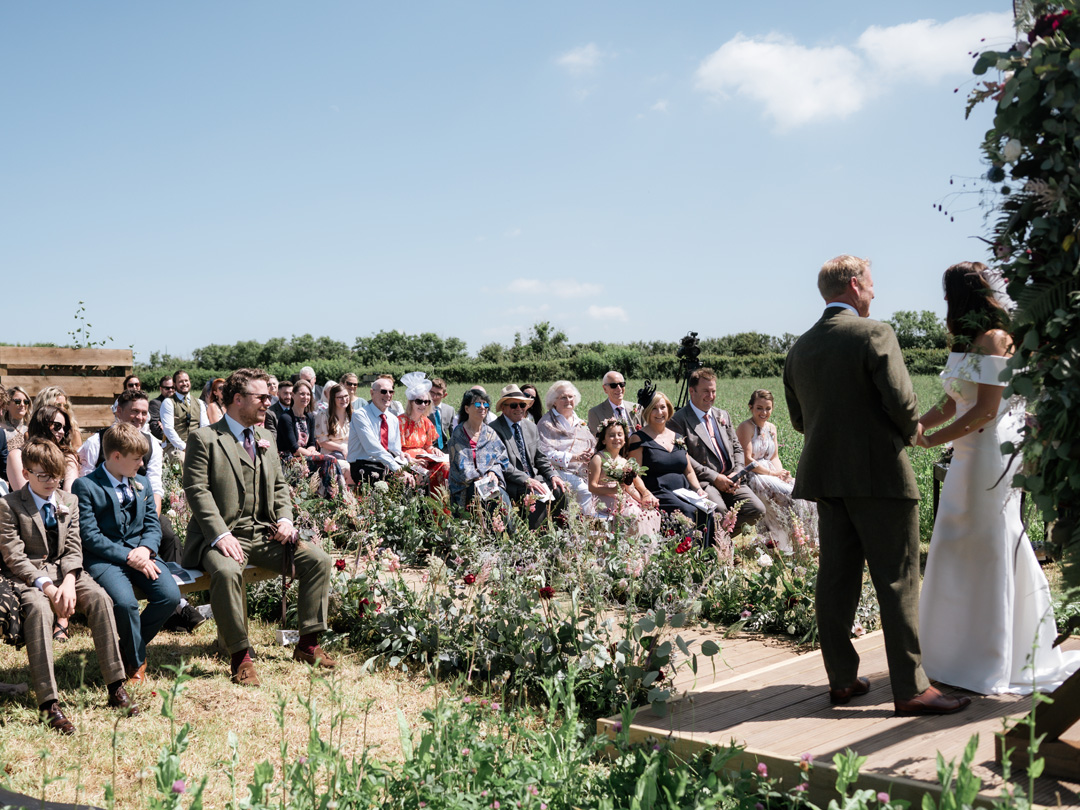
655,446
296,428
211,399
272,387
241,512
332,425
165,390
352,385
42,556
768,478
131,383
51,424
181,414
120,531
536,410
715,451
375,438
15,411
566,441
54,395
394,407
489,418
442,413
277,409
614,405
418,435
308,373
4,488
628,501
476,453
529,471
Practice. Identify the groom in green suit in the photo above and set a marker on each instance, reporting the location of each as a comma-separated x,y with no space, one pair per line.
849,392
241,513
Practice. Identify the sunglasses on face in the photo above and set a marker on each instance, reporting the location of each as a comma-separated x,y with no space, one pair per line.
513,406
135,385
168,388
481,406
261,397
383,391
422,401
20,402
60,427
351,385
616,385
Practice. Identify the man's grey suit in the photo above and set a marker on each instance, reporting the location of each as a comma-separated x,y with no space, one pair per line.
516,475
598,413
849,392
708,464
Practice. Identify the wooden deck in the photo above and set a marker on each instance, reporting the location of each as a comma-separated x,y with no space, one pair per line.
774,702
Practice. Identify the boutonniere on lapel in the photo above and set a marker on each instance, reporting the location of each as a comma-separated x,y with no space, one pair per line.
264,445
62,510
723,421
680,442
137,485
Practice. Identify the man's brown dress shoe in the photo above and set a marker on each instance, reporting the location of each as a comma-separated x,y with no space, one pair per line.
245,674
840,697
930,702
55,718
119,699
317,656
137,675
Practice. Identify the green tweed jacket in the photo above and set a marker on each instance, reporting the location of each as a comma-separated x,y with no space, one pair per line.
214,486
849,392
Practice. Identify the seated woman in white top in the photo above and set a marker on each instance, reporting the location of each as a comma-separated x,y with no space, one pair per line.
566,441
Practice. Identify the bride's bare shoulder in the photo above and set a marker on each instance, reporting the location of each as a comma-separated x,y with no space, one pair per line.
994,341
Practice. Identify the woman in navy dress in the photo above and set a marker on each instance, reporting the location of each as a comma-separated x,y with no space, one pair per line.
660,449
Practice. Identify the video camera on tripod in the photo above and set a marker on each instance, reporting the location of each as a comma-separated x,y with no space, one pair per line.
688,353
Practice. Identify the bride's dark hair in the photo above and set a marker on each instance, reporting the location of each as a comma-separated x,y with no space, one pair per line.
972,306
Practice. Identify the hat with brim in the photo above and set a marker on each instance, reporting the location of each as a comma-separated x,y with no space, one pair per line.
511,393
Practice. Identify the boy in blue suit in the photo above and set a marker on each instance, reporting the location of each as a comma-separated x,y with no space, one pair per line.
120,533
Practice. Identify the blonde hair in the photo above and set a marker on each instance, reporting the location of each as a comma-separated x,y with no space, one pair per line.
18,389
657,397
836,274
124,438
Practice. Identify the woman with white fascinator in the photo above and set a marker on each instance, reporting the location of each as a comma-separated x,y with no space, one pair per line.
419,438
566,441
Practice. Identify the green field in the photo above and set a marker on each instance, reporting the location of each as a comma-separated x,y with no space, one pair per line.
733,395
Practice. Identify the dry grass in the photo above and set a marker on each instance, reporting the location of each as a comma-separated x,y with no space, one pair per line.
212,705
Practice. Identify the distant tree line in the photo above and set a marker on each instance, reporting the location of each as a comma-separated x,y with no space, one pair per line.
544,354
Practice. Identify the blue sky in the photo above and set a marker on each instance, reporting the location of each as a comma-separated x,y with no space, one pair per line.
211,172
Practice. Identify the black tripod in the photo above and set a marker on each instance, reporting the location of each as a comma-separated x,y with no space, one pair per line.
688,354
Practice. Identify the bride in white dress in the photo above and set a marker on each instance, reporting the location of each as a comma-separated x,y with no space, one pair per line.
986,623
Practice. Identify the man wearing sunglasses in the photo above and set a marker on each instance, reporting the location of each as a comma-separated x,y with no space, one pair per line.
530,472
241,512
614,405
375,437
165,390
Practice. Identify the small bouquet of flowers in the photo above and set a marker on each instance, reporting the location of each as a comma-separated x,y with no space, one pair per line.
623,470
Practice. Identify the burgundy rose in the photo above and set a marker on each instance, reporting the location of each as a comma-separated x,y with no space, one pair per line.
469,579
547,592
1047,24
339,565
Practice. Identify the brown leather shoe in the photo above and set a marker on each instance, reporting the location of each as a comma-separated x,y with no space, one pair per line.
137,675
840,697
930,702
55,719
119,699
317,657
245,675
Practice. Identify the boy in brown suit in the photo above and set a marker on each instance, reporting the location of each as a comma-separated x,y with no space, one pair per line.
42,556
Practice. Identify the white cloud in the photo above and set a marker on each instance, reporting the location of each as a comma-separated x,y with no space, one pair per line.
931,51
607,313
513,233
560,288
797,84
660,106
583,59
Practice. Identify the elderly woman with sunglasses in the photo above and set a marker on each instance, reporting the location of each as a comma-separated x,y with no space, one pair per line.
419,439
477,454
14,411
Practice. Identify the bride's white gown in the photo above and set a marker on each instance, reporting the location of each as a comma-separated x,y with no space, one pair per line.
985,610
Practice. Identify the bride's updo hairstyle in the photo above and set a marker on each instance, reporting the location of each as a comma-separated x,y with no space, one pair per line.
972,306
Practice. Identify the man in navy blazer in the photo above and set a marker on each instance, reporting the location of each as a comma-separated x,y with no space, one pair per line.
120,532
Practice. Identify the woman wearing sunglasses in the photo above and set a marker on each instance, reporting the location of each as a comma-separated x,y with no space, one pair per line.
54,395
419,438
477,454
15,412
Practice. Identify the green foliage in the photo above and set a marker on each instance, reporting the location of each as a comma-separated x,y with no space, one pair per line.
919,330
1034,147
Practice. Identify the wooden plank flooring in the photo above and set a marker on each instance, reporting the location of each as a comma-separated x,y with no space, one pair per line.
772,700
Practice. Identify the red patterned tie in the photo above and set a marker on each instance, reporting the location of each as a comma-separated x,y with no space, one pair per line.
384,434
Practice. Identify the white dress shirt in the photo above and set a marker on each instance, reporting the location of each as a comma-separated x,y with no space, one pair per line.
168,418
364,444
